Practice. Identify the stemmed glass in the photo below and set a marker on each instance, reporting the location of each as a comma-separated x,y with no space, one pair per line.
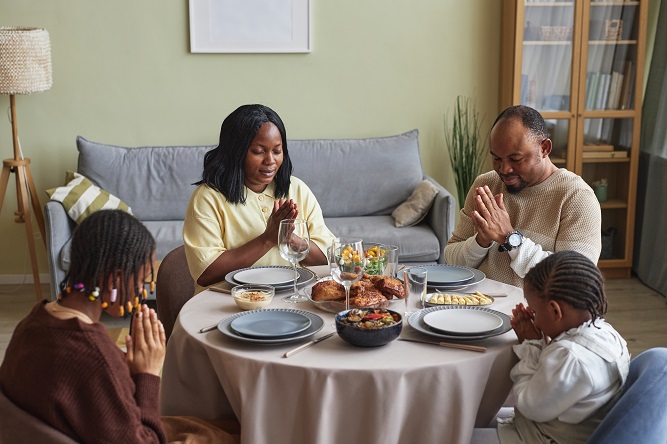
347,261
294,245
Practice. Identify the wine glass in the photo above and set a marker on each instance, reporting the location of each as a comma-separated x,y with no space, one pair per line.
294,245
347,261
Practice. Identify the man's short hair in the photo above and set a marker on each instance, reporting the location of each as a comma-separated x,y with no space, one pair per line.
530,118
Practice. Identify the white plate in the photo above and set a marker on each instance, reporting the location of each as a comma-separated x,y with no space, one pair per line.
270,324
463,322
268,276
305,276
316,324
416,322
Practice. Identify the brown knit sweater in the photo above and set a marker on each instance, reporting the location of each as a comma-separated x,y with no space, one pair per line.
560,213
73,377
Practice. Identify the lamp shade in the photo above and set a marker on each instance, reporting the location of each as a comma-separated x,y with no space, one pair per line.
25,60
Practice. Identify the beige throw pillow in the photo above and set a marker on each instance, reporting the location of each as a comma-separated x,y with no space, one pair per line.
414,210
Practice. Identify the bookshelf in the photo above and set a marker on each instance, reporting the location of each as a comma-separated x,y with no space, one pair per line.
581,64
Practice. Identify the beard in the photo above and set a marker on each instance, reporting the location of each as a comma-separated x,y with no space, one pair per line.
513,189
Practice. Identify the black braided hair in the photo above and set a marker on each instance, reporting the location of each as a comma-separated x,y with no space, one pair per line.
570,277
224,164
106,243
530,118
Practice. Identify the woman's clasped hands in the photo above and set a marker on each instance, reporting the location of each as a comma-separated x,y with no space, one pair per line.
282,210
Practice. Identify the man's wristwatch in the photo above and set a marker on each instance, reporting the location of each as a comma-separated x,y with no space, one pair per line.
512,241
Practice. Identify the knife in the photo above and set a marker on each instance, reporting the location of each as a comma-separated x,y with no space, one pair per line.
476,348
209,328
289,353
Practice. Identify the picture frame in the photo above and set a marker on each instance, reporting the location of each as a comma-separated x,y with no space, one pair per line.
257,26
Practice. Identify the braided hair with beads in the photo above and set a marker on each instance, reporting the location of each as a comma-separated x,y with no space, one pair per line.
106,243
570,277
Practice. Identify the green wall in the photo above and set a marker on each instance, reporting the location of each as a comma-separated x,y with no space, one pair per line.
123,74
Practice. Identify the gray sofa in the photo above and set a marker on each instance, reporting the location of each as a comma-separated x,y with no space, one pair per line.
157,183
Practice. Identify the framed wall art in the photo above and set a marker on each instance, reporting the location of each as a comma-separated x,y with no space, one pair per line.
250,26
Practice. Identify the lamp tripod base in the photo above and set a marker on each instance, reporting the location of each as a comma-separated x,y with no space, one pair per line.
26,194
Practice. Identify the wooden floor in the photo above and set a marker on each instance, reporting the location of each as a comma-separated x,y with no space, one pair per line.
636,311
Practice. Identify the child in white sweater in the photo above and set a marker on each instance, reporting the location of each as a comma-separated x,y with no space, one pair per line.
572,364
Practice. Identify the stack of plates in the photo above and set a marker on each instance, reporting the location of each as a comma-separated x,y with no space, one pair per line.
451,277
462,323
280,277
271,325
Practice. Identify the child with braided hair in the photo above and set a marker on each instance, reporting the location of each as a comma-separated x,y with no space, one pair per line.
62,367
572,364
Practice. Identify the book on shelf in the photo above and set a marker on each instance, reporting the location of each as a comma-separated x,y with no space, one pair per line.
628,86
598,147
591,89
605,154
603,91
615,91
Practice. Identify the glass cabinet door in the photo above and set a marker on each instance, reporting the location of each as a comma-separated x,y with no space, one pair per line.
546,74
612,55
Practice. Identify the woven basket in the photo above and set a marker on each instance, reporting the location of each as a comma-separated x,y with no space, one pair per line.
25,60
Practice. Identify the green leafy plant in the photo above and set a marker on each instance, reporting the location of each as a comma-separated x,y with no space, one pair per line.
467,150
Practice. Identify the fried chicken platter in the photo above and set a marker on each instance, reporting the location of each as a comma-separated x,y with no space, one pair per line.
369,292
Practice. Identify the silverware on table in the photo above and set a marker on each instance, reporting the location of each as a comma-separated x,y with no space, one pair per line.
220,289
289,353
476,348
497,295
209,328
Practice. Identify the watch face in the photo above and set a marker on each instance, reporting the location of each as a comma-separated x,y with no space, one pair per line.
514,239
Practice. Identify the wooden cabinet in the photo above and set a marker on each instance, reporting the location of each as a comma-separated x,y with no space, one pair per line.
581,64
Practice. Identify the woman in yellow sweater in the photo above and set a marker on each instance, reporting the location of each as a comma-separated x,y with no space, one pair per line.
247,188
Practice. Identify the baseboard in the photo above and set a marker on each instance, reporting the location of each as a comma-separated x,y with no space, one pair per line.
17,279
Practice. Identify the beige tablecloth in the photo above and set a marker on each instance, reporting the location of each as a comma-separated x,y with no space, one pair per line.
404,392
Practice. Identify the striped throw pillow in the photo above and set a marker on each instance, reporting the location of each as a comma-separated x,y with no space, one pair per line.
81,198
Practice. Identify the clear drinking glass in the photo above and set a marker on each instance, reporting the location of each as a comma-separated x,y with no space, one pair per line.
416,283
294,245
347,262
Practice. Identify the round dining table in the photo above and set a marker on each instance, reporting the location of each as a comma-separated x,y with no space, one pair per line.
334,392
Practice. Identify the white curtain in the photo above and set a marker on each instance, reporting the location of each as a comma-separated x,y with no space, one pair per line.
650,263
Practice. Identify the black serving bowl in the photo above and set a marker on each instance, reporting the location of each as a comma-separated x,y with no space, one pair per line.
363,337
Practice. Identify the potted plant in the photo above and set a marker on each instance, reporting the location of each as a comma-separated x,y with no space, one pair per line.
467,150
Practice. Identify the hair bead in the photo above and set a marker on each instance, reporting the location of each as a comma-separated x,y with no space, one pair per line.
105,305
113,296
152,285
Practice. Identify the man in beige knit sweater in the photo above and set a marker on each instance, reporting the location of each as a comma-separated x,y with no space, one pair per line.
527,208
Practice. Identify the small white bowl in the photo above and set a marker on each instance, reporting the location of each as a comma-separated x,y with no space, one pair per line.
253,296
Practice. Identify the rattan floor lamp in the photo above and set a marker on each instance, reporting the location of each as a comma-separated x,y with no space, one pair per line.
25,68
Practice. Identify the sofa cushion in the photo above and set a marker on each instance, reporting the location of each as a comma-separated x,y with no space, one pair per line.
81,198
358,177
415,244
414,210
155,181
